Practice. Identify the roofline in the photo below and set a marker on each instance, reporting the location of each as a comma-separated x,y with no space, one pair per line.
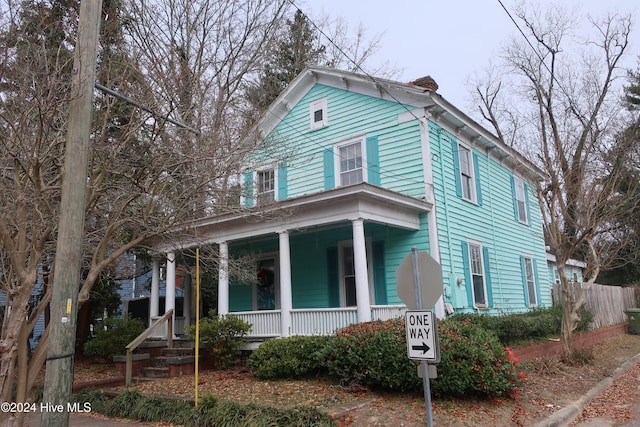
439,108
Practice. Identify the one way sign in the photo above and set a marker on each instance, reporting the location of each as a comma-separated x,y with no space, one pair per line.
422,335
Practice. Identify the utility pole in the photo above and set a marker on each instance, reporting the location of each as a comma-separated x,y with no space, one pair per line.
66,282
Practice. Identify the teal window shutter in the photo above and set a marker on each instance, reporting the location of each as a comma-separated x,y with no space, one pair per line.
487,275
373,161
514,198
282,181
526,200
467,273
524,281
535,272
379,272
476,173
329,175
333,277
248,189
456,167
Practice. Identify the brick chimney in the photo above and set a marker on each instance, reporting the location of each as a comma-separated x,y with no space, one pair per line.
426,82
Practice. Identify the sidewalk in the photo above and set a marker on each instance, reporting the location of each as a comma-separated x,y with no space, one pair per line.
569,413
77,420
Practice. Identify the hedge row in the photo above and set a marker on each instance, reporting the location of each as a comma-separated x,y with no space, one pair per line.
209,413
473,360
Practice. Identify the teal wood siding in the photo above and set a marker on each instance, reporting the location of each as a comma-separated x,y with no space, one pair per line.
490,223
397,245
314,264
309,154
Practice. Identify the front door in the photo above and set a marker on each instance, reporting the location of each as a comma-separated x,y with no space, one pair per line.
266,284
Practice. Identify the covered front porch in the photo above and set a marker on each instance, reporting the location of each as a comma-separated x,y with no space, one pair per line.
324,261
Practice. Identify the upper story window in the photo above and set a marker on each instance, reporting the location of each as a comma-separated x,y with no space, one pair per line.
318,113
265,186
521,200
466,166
519,192
466,175
351,163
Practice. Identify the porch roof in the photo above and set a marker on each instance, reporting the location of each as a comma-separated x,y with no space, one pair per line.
360,201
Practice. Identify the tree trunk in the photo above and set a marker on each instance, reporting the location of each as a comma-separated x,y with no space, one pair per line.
568,315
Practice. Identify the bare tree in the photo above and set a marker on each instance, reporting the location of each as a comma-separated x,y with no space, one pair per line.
566,116
184,60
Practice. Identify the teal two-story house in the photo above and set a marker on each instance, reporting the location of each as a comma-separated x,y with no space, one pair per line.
358,171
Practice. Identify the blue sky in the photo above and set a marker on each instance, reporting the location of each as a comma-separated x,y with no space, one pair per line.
449,40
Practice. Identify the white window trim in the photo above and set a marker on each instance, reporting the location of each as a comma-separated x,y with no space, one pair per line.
265,168
519,182
336,158
474,196
343,293
276,280
315,105
529,258
484,274
254,172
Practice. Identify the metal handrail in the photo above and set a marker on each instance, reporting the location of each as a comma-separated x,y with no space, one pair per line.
168,316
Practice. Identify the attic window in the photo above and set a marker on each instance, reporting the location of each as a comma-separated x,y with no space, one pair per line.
318,113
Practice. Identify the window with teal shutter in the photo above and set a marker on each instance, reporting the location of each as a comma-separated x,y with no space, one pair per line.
476,275
247,190
520,195
530,281
456,166
467,272
329,176
535,272
373,161
282,181
476,171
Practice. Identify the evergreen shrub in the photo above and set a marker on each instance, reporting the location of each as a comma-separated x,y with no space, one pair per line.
474,362
293,357
114,339
223,336
373,354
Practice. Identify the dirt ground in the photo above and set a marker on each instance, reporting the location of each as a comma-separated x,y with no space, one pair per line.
550,386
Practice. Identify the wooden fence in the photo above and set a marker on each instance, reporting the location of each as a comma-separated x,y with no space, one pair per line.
606,303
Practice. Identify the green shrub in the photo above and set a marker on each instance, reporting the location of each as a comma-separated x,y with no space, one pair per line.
112,341
522,327
124,404
293,357
474,362
223,336
155,409
95,398
373,354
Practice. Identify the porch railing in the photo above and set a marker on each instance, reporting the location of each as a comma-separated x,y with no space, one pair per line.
266,323
161,331
166,322
387,312
321,321
313,321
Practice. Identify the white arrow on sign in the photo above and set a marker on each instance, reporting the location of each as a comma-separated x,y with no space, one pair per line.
422,340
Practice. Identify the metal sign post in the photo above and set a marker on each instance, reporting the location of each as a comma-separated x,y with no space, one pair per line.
425,369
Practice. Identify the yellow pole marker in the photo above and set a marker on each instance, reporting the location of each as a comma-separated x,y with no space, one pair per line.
197,323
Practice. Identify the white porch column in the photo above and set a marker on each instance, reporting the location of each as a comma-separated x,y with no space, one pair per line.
286,303
154,300
362,275
170,294
223,279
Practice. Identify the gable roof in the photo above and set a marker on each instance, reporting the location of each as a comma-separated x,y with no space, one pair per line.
417,99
